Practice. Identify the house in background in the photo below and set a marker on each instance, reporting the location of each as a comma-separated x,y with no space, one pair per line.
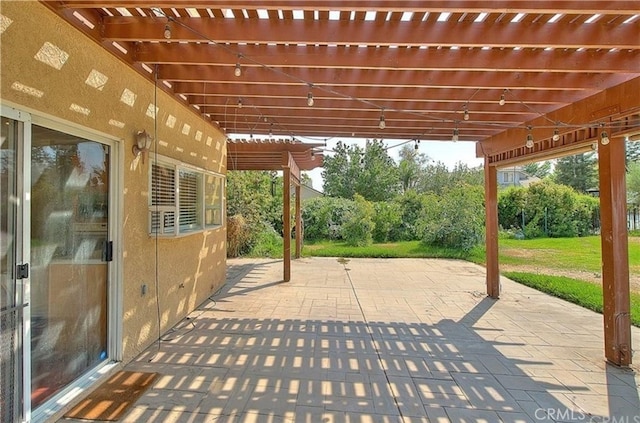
307,192
515,176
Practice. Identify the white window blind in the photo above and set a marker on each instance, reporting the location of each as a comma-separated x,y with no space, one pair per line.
189,201
163,199
183,200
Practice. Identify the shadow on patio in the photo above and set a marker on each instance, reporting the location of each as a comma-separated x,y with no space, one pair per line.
382,341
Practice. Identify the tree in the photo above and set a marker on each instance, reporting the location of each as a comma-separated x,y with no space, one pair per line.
340,169
378,177
438,179
411,167
632,151
351,170
537,169
578,171
633,183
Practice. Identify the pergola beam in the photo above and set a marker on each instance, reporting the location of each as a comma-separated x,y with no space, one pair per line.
494,60
460,6
603,107
469,95
374,33
391,79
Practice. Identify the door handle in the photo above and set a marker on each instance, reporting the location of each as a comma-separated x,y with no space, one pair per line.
107,251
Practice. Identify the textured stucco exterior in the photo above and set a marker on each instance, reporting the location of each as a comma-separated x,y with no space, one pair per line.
189,268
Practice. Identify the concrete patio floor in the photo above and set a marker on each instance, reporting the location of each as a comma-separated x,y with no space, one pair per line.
373,340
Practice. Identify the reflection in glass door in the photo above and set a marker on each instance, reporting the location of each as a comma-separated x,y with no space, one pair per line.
69,254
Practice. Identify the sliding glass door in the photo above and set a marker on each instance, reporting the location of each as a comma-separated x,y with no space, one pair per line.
70,251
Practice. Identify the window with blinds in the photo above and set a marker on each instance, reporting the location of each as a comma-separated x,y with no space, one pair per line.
163,199
183,200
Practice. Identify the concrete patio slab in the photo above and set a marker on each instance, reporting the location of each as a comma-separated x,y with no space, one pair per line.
373,340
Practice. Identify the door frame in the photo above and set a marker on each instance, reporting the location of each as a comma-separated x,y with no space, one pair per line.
114,268
23,250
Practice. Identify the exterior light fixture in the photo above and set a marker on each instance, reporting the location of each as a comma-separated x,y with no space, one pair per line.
604,138
167,32
310,99
529,142
382,124
142,144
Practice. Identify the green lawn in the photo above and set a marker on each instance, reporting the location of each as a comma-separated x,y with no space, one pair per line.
563,253
408,249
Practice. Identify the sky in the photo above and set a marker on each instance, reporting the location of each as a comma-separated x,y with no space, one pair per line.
448,153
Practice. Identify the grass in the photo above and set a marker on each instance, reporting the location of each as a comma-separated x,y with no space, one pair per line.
402,249
579,292
563,253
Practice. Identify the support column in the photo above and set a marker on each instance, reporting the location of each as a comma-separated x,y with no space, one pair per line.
491,214
615,254
299,228
286,222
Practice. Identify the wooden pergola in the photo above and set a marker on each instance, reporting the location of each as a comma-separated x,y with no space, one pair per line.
524,80
291,157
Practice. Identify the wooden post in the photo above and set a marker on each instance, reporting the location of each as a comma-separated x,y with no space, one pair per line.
286,221
615,254
491,214
299,228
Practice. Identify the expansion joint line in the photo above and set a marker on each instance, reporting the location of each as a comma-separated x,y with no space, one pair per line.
373,341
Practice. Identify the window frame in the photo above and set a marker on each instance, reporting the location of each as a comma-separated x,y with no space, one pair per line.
178,229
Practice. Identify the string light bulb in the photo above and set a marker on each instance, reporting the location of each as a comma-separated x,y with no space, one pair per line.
240,103
502,99
604,138
456,135
556,135
416,145
382,124
466,113
310,99
529,142
238,70
167,32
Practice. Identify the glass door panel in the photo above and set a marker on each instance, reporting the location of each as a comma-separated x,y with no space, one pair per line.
69,249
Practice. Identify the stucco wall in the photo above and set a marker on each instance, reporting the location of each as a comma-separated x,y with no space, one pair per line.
190,268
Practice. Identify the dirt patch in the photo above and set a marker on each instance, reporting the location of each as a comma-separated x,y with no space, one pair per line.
595,278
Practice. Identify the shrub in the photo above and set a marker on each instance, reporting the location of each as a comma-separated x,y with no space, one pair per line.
456,219
357,230
268,243
548,209
387,215
324,217
238,235
412,207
